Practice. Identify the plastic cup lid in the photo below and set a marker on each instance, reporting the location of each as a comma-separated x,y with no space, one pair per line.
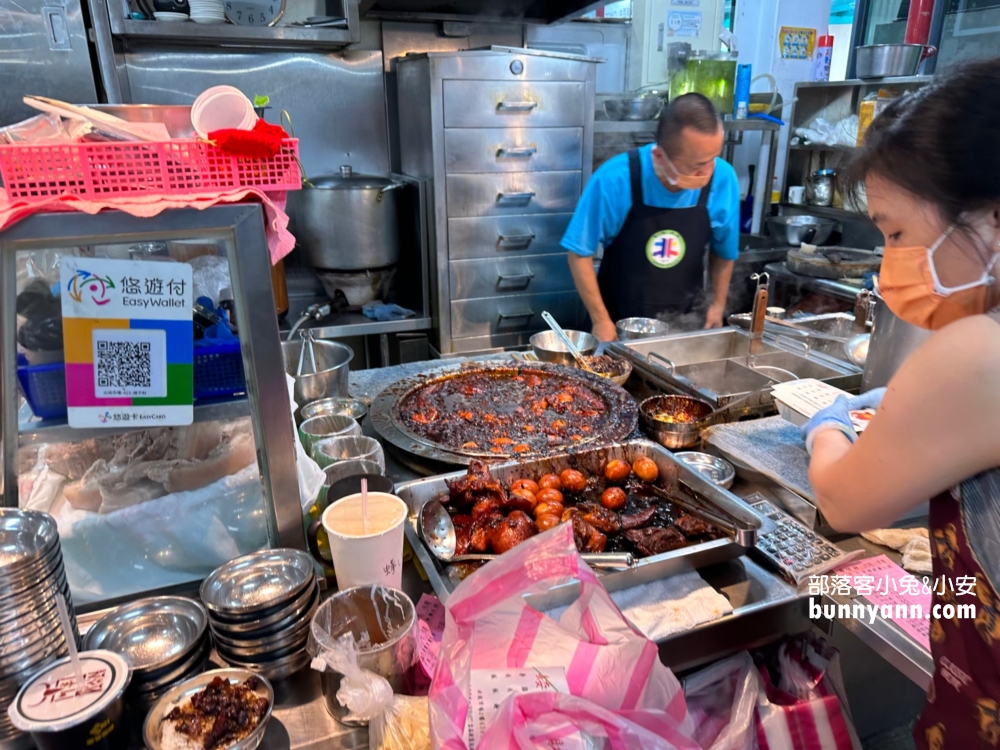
51,701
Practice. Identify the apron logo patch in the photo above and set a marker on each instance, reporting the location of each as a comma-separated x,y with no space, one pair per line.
665,249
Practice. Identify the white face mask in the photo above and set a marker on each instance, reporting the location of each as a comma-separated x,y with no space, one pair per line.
678,180
946,291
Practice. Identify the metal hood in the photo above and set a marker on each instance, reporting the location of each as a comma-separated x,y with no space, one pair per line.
479,11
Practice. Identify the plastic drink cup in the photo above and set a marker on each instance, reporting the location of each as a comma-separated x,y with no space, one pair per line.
366,551
60,714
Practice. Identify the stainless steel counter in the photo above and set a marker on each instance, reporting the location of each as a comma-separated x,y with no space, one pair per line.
765,607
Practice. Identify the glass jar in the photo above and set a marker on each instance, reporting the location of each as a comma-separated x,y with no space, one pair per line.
712,74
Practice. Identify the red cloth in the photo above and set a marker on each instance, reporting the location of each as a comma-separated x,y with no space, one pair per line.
262,142
279,240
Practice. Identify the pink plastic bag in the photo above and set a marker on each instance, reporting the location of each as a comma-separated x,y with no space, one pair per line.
801,705
722,700
592,651
552,721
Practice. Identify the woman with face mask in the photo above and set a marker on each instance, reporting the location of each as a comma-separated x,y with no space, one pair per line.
929,168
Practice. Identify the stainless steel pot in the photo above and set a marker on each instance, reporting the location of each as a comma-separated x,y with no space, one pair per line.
330,380
892,341
794,230
346,222
890,60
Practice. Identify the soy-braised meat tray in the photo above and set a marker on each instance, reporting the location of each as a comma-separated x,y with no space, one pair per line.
624,508
498,412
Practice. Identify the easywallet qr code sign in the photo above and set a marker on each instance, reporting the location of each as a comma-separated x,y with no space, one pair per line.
128,342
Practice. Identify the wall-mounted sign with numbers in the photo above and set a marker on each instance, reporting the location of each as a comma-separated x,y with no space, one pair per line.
128,342
254,12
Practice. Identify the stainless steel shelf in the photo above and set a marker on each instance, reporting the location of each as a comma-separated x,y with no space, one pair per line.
625,126
355,324
31,430
829,212
863,82
644,126
820,147
236,36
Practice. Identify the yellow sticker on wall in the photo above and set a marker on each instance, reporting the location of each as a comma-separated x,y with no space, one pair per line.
796,43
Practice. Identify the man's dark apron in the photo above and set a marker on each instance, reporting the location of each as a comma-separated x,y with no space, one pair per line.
656,263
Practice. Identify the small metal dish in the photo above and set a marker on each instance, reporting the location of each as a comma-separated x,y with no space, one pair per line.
262,654
162,680
270,624
17,605
713,468
336,407
278,669
674,435
257,581
151,632
629,329
25,536
30,577
152,729
267,643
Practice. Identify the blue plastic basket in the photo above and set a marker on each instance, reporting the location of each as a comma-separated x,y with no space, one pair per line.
218,373
218,369
44,386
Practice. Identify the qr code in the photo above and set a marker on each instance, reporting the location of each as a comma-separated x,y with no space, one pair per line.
124,364
130,363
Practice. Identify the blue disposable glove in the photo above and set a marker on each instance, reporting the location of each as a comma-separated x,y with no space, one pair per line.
837,416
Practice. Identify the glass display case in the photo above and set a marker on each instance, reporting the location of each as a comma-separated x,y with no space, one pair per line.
145,508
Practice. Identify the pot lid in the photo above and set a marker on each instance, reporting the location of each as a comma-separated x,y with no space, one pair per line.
348,179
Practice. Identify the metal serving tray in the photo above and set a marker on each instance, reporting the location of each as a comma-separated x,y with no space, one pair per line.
716,505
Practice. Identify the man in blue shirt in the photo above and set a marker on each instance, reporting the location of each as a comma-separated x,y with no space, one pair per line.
655,210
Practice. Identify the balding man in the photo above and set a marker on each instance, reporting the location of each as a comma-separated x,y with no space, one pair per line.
657,211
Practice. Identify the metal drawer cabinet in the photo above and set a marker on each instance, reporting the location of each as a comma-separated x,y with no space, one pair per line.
508,193
512,149
506,236
528,104
512,314
528,274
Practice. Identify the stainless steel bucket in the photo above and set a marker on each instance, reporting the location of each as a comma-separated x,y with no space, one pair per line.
330,380
383,623
892,341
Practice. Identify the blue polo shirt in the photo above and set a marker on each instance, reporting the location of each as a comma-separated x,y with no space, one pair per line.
607,198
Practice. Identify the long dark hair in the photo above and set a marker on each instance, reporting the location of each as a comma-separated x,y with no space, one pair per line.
940,143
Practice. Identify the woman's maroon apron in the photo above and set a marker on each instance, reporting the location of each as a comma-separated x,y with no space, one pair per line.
963,701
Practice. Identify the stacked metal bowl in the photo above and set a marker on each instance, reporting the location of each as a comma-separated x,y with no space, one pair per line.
165,640
31,577
260,606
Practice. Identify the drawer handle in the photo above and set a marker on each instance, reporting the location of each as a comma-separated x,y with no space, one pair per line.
517,153
516,106
514,241
525,277
526,316
524,198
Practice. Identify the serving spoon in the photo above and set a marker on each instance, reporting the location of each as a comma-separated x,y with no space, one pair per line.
580,359
438,531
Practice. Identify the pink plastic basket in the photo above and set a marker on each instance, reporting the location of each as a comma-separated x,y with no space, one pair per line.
108,170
